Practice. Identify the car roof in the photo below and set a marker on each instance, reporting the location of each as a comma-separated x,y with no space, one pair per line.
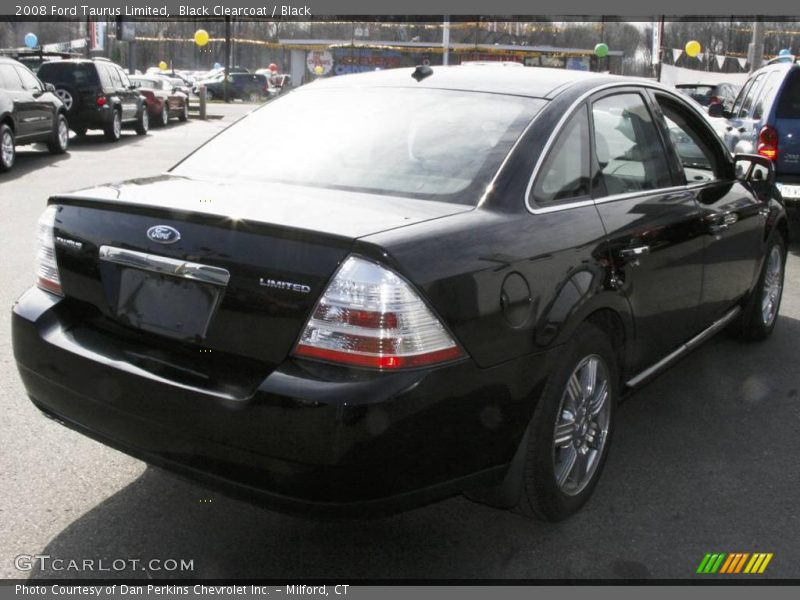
74,61
537,82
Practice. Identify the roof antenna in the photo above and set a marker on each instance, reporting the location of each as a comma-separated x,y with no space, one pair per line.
421,72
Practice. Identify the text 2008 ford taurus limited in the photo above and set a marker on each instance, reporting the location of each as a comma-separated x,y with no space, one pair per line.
388,288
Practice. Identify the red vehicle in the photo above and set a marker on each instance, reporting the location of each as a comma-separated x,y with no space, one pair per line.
163,100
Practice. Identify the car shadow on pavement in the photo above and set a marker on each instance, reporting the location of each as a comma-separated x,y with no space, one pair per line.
703,460
31,158
95,141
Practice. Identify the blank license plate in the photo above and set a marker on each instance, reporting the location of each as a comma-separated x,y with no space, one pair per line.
170,306
789,191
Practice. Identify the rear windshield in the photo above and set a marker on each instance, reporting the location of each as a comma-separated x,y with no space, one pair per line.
789,103
76,74
424,143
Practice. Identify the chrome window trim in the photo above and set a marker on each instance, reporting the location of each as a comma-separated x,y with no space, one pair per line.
166,266
538,210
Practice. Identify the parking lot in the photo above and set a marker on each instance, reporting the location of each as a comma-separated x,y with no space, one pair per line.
704,459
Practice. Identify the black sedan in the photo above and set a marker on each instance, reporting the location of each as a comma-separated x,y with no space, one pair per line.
30,112
388,288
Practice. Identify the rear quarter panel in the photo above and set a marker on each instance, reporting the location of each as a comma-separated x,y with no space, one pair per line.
463,263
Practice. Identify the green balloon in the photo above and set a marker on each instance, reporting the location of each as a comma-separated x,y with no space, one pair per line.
601,49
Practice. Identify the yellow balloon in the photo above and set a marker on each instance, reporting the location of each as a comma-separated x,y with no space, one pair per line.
163,66
201,37
319,70
693,48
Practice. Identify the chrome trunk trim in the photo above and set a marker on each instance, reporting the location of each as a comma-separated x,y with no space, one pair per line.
166,266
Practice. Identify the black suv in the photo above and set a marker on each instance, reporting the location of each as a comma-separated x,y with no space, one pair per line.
97,95
242,86
29,112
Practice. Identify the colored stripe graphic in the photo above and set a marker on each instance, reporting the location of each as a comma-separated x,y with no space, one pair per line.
720,562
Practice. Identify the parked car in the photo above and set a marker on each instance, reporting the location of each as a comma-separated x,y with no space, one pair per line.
707,94
178,84
97,95
451,297
766,120
163,100
30,112
241,86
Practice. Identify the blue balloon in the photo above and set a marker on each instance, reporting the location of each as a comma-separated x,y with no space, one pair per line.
31,41
785,52
217,66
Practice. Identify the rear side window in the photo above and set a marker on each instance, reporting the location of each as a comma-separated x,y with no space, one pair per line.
9,79
764,100
565,174
105,77
747,104
627,145
789,101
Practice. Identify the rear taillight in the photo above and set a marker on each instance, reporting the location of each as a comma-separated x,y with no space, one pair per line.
101,101
371,317
768,142
47,276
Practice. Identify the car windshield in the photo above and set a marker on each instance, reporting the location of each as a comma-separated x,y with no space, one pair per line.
424,143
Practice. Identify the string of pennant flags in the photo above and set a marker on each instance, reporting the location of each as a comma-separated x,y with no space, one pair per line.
720,58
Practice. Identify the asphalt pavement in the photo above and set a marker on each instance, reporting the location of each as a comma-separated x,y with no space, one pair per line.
704,459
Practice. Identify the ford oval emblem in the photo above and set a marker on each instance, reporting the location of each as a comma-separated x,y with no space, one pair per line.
163,234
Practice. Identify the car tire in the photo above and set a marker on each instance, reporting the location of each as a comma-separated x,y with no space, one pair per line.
254,97
209,95
8,150
142,121
570,432
761,310
59,142
164,116
69,98
184,116
113,129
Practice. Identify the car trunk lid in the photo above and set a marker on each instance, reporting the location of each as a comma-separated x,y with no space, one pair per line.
228,268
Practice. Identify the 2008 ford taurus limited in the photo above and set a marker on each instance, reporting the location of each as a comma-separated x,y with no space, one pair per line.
385,289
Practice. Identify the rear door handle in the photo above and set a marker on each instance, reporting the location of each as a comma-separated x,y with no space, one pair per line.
718,222
634,252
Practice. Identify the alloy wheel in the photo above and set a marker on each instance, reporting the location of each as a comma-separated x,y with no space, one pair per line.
63,133
582,425
66,98
773,286
117,125
7,149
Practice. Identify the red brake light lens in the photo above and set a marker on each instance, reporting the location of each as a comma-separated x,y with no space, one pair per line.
371,317
768,142
101,101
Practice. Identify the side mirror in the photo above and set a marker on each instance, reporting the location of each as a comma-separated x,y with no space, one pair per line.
754,168
716,110
50,88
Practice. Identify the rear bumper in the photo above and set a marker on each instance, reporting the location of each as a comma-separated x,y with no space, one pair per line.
91,118
308,438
